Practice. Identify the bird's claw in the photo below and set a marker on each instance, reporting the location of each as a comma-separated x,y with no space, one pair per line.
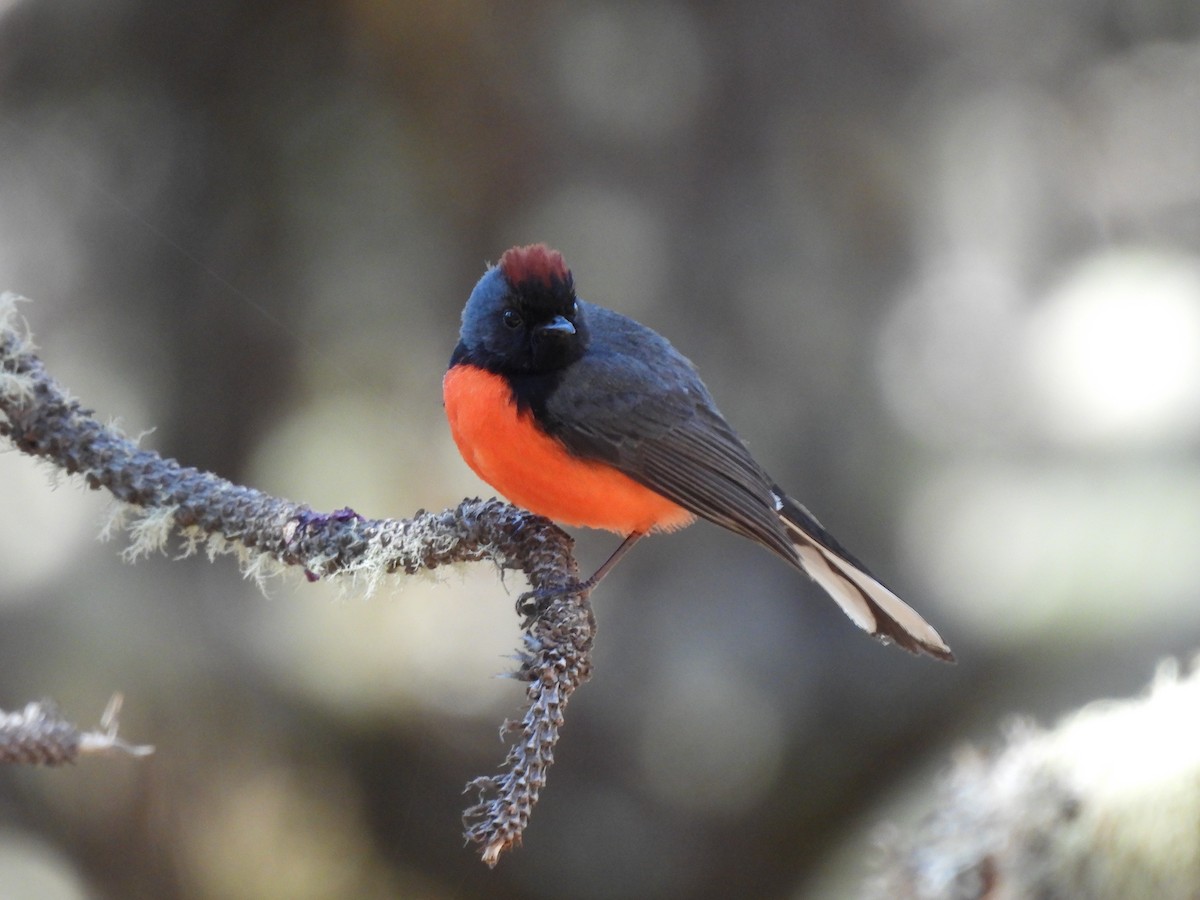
531,603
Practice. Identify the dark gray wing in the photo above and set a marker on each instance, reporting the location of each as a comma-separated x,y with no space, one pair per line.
636,403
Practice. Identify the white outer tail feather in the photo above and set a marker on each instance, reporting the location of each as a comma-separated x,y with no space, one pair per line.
855,591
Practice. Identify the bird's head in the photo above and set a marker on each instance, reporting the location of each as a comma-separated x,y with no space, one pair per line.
523,317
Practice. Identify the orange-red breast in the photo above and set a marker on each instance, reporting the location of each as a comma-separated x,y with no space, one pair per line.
582,415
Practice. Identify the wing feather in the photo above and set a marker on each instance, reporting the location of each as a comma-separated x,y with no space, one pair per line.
656,422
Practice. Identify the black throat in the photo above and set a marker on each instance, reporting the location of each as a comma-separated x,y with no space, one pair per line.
531,391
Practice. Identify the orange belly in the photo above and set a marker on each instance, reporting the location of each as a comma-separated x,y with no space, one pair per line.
535,471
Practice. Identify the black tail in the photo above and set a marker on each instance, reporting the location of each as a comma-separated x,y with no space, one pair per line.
871,606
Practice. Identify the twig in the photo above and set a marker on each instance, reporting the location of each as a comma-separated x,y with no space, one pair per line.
159,499
39,735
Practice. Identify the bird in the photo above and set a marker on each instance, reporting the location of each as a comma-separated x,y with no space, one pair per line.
588,418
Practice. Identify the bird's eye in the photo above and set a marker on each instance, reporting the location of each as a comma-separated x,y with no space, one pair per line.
512,319
574,309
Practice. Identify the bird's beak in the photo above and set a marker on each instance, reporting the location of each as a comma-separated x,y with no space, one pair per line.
559,326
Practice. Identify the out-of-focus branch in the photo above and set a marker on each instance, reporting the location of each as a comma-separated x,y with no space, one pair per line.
1104,806
39,735
158,500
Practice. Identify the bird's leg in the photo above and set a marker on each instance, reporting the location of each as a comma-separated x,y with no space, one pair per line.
612,561
531,603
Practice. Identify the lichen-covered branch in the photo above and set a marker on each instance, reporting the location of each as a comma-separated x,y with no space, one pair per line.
39,735
555,660
160,500
1105,805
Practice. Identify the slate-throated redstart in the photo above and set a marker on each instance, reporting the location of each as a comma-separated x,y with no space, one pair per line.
582,415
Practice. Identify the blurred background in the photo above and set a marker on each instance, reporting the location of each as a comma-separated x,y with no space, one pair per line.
938,261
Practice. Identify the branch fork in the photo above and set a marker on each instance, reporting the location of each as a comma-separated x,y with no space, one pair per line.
159,499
